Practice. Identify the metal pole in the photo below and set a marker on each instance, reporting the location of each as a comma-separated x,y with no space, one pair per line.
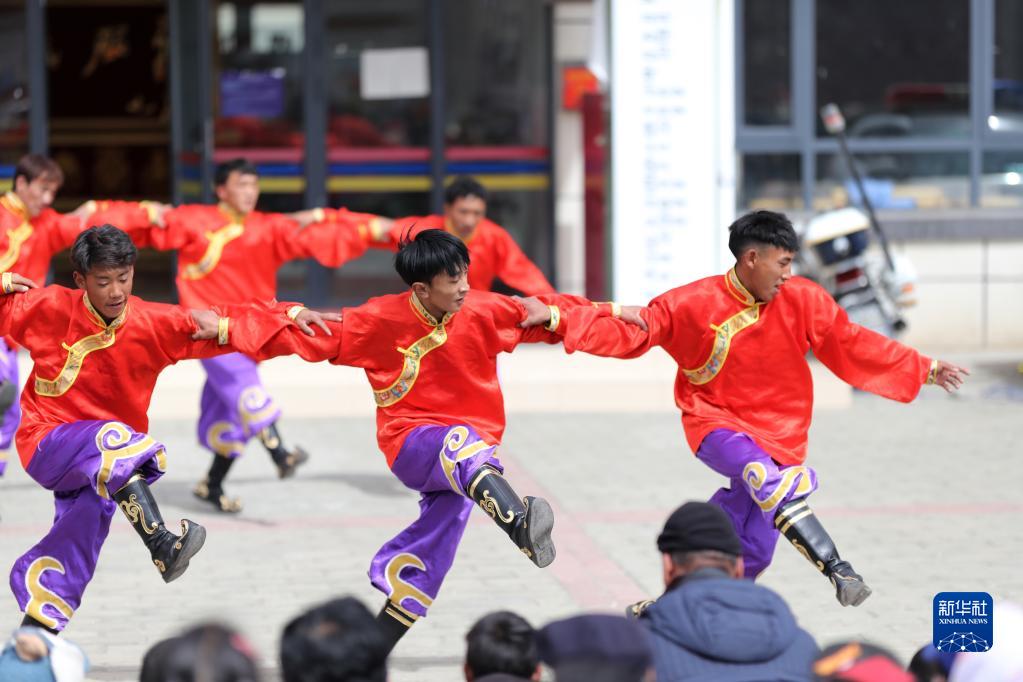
39,111
438,111
851,163
314,118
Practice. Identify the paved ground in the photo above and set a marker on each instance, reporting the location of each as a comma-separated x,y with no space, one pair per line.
922,498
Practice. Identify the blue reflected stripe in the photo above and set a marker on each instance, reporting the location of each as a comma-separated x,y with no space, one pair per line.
288,170
6,171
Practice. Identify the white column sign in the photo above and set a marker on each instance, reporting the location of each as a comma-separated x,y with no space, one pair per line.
669,114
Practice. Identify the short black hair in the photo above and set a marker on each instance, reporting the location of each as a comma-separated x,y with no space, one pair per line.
208,651
502,642
103,246
339,641
428,254
762,228
240,165
464,186
32,166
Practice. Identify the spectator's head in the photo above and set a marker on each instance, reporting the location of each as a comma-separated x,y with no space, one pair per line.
596,648
339,641
502,642
205,652
436,265
764,244
103,259
37,179
931,665
858,662
699,535
35,655
237,185
465,204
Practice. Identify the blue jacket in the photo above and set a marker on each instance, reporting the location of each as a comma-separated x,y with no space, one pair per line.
714,627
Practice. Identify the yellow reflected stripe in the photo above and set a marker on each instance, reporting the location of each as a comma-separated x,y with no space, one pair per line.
386,183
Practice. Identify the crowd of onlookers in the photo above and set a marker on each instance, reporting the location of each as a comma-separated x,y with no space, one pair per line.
710,624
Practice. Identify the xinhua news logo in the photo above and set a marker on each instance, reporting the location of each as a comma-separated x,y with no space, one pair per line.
963,621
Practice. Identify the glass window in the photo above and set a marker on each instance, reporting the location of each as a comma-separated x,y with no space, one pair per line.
498,108
1008,83
897,69
766,62
896,180
367,44
14,96
257,77
1001,185
770,182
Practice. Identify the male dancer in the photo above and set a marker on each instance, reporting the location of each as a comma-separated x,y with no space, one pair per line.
30,234
744,386
494,253
431,357
230,254
97,353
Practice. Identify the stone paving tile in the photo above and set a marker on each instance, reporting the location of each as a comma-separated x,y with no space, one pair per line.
922,498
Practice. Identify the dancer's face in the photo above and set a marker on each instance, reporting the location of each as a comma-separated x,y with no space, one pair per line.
763,270
464,214
108,289
240,192
444,294
38,194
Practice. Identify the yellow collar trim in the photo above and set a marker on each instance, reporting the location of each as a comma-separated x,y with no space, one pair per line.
115,323
425,314
736,288
15,205
233,215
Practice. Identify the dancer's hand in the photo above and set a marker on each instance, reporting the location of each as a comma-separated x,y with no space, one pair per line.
630,314
950,377
537,312
13,283
208,323
307,217
307,319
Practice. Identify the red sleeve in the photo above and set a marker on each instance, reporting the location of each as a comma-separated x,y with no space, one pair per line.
339,237
179,228
506,313
409,225
27,315
592,331
62,229
859,356
515,269
175,338
266,331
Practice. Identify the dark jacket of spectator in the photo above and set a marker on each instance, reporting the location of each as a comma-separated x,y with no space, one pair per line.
710,626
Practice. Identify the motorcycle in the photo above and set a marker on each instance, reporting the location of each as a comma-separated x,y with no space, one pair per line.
836,252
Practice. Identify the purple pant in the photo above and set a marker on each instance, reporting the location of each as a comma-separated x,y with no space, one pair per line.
10,419
758,486
438,461
84,463
235,406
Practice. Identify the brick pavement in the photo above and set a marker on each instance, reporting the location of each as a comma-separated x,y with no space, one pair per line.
922,498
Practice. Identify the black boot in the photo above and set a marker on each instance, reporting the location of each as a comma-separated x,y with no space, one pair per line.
528,521
286,461
800,526
212,489
8,394
394,622
171,553
29,621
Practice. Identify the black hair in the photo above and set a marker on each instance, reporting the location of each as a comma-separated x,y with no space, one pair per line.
32,166
428,254
205,652
502,642
224,170
104,246
339,641
464,186
762,228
